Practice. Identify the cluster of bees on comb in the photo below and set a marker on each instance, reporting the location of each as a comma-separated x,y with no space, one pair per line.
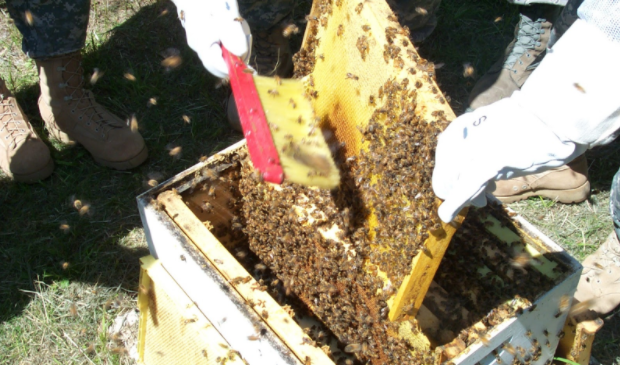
321,247
339,278
393,182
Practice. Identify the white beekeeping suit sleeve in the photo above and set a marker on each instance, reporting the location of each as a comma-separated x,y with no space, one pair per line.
569,104
211,23
574,91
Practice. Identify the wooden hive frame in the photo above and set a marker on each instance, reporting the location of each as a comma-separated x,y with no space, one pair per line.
172,329
351,49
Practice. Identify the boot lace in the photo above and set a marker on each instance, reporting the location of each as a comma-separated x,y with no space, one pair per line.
12,130
528,37
82,100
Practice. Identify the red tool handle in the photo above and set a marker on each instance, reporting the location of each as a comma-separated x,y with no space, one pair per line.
263,152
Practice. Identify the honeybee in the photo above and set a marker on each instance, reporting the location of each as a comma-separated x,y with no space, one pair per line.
362,46
175,151
273,92
172,62
351,76
353,348
95,76
365,27
468,70
29,18
85,209
358,7
289,30
579,87
340,30
133,123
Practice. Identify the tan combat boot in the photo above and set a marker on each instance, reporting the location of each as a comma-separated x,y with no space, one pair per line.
521,57
271,56
566,184
599,285
23,156
72,114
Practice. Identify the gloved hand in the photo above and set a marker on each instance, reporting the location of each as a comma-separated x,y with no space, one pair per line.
211,23
499,141
564,108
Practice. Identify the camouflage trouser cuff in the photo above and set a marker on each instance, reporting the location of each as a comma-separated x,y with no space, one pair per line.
614,202
51,28
60,53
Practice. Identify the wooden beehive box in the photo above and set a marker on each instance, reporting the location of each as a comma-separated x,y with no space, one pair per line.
206,253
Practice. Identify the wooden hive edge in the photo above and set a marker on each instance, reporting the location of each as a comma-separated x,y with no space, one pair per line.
278,320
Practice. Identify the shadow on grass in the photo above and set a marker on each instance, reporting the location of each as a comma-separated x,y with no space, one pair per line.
104,246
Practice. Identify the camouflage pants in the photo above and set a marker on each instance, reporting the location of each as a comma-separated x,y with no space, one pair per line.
567,17
614,202
50,27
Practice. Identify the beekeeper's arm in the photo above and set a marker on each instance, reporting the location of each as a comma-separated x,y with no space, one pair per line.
209,23
568,105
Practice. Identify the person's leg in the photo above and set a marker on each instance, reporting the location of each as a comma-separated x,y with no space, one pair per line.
540,26
599,284
23,156
271,52
54,32
418,15
50,28
614,203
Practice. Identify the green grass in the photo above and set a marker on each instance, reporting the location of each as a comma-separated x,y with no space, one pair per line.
102,249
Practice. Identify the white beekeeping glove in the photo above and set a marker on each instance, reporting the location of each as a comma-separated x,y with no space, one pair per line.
568,105
209,23
499,141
